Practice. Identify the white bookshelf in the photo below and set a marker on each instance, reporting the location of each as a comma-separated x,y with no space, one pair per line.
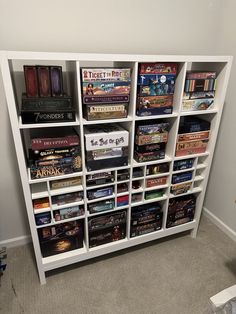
13,79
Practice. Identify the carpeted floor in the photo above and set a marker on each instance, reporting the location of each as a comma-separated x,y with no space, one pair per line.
174,276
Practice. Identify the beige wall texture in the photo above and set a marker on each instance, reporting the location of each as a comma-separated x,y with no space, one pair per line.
151,27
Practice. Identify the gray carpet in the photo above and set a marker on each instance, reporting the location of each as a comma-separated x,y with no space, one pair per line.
177,275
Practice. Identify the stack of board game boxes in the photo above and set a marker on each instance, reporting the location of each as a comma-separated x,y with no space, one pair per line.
193,136
56,155
181,210
150,140
106,146
107,228
105,92
199,91
145,219
156,85
61,237
45,100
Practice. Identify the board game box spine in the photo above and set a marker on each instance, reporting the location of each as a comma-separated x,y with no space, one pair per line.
107,220
144,112
180,188
46,103
157,68
43,218
148,129
122,200
106,153
111,234
63,199
57,161
197,104
31,81
69,212
105,74
149,156
151,139
191,144
106,88
54,152
154,102
57,142
156,89
157,79
111,99
107,163
51,171
193,136
63,183
47,116
44,81
56,79
198,95
149,148
108,111
192,75
101,206
144,229
149,195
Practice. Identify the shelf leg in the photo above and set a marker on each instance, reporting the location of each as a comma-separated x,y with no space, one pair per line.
194,232
42,277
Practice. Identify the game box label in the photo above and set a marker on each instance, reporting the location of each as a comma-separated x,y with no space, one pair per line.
105,74
155,182
183,164
151,128
197,104
47,116
157,169
106,153
149,148
193,136
157,68
106,88
98,193
181,177
105,136
149,156
109,111
194,75
105,99
63,183
47,103
151,139
180,188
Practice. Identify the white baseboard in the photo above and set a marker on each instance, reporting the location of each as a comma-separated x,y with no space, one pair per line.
220,224
16,241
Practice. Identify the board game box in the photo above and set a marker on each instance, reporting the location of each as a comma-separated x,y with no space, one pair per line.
156,182
63,199
105,74
101,206
107,111
122,200
64,183
183,164
105,153
149,156
107,163
151,127
47,116
180,188
157,68
105,136
150,147
181,177
193,136
100,178
106,88
157,169
63,102
69,212
193,124
107,99
154,194
42,218
61,237
197,104
100,192
151,139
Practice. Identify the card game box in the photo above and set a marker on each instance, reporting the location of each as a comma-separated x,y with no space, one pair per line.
154,194
180,210
156,182
42,218
105,111
157,169
157,68
183,164
181,177
122,200
61,237
100,178
41,203
180,188
105,74
105,136
101,206
100,192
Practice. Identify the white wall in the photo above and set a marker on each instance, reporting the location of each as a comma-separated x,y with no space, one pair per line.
161,27
221,192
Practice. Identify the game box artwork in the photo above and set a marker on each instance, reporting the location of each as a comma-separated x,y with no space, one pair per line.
100,192
183,164
181,177
157,169
61,238
145,219
106,111
105,74
107,228
181,210
68,212
180,188
101,206
154,105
